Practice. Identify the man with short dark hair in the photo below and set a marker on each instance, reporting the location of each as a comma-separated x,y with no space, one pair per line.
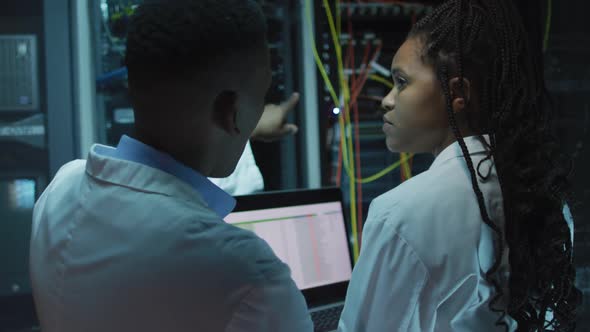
133,239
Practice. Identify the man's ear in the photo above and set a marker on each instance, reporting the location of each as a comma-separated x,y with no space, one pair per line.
225,112
460,95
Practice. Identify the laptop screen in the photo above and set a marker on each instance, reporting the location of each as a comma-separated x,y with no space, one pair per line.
311,239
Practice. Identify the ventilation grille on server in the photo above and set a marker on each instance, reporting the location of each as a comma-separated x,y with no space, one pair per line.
18,73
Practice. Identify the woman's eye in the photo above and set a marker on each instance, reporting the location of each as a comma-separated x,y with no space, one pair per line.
400,82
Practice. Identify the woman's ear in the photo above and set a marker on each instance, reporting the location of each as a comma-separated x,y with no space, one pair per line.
460,94
225,112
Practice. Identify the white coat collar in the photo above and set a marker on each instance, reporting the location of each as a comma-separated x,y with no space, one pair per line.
474,146
134,171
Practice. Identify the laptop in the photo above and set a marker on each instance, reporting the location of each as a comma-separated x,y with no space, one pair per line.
307,230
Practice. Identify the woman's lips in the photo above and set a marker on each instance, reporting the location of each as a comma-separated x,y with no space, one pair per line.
388,127
388,122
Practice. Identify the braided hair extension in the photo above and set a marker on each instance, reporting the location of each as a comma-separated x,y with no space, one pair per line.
485,41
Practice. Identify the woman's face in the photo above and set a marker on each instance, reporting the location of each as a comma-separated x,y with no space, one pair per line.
416,119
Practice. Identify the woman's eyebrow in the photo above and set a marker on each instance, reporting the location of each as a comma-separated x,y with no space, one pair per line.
396,70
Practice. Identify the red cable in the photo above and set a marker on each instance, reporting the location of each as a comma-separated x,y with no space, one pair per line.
394,2
357,140
366,74
349,62
353,82
364,64
357,90
339,167
351,49
365,59
348,55
358,174
339,170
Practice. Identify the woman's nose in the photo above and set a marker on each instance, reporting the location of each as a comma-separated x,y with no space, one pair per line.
388,102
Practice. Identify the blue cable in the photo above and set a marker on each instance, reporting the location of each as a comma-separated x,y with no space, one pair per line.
120,73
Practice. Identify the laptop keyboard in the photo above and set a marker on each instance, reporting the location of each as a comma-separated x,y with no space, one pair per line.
327,319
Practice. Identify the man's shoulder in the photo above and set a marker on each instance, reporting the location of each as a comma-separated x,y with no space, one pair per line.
74,168
211,251
213,247
67,177
248,254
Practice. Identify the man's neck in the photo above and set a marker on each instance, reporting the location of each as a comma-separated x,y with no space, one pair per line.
193,160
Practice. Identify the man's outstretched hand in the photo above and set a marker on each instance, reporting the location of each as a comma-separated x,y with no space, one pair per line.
273,123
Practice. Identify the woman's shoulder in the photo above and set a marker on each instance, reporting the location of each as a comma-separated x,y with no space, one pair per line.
431,190
429,210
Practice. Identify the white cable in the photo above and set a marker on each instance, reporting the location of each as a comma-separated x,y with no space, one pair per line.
380,69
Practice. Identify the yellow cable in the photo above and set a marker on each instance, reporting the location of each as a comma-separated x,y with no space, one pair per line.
404,165
382,173
547,25
317,59
380,79
345,159
337,48
351,155
351,185
339,21
344,118
337,103
348,127
348,156
353,206
408,167
329,85
405,159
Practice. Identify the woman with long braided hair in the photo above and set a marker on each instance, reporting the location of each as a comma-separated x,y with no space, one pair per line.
479,242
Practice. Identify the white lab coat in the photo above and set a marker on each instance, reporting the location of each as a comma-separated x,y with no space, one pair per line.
425,250
246,178
121,246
